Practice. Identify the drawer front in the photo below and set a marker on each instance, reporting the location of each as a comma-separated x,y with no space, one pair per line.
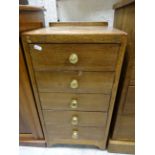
125,128
68,118
95,57
86,82
83,133
73,101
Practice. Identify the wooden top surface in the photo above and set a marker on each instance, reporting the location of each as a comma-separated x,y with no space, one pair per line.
122,3
75,30
75,34
104,23
30,8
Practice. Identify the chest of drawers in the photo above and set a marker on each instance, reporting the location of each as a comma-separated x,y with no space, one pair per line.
30,131
122,139
74,73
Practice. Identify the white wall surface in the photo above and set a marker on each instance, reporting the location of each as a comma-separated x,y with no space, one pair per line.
77,10
50,6
86,10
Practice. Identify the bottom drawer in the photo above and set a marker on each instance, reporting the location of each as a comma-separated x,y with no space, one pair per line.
56,133
124,128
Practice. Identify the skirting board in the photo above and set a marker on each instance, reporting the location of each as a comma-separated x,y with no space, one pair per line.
116,146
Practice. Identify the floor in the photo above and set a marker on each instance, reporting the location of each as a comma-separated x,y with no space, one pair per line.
61,150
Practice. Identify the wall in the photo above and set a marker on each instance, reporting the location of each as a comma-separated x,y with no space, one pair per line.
77,10
86,10
50,6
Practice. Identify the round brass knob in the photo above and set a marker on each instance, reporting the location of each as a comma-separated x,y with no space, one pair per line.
73,58
74,84
74,104
74,120
75,134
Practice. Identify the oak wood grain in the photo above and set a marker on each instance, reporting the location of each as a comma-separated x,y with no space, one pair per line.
85,133
122,3
77,34
96,82
29,140
88,119
124,119
30,17
29,122
91,82
91,57
132,76
30,8
126,129
86,102
129,106
78,23
88,136
127,147
29,125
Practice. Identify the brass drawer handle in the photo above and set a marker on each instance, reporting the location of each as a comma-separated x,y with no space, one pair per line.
75,120
73,58
75,134
74,84
74,104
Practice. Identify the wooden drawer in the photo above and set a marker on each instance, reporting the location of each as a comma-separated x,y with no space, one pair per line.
88,82
125,128
66,132
84,118
74,101
94,57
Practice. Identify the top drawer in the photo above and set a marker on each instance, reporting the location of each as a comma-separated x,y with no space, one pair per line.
86,57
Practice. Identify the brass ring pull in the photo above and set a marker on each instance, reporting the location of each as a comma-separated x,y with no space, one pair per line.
73,58
75,134
74,84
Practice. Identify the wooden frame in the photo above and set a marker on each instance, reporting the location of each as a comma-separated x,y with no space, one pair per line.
78,24
31,134
124,146
122,135
114,36
29,140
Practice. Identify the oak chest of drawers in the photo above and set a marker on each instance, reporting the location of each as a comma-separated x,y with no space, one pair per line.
30,131
75,73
